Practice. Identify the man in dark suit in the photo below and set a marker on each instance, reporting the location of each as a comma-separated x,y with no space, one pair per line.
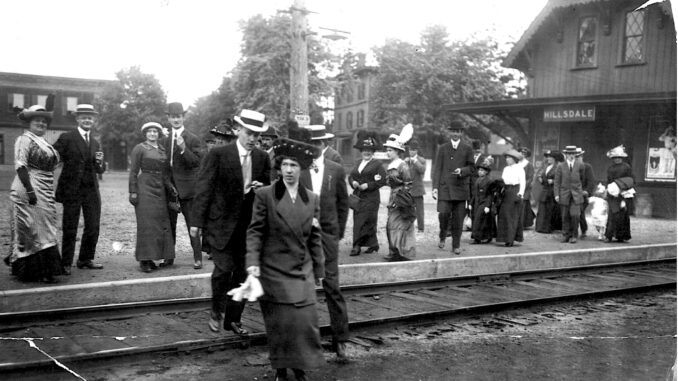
589,185
568,192
223,209
185,150
79,189
319,134
327,179
451,175
417,169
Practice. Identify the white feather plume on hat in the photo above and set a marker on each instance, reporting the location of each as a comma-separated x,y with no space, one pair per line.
399,141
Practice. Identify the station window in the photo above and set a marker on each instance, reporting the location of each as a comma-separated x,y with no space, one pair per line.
361,91
586,42
349,120
39,100
15,100
2,149
359,118
70,104
337,121
633,36
349,94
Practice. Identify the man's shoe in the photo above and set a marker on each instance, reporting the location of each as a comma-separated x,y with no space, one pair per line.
456,251
355,251
300,375
197,265
49,280
89,265
145,267
573,240
372,249
214,324
66,270
236,328
152,265
441,244
281,374
582,235
565,240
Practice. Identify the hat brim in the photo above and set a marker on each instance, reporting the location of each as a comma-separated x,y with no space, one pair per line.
622,155
250,127
326,136
76,113
389,144
570,152
26,116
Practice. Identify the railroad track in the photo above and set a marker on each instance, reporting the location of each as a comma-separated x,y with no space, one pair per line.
34,339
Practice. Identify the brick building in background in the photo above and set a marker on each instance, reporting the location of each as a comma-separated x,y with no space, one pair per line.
25,90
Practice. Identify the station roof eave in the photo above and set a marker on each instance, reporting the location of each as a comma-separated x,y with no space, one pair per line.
524,106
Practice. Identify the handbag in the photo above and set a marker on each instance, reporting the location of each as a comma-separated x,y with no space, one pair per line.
172,198
353,201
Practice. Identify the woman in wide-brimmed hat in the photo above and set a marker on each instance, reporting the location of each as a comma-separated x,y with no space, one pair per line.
548,214
401,206
148,192
365,179
284,251
34,253
512,200
620,194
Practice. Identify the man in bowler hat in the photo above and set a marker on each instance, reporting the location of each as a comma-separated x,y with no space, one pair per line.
79,189
451,176
569,193
185,151
224,195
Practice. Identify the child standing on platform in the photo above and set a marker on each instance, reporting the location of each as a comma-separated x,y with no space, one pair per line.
482,204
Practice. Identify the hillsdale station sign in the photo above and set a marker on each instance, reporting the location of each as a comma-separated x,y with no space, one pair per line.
570,114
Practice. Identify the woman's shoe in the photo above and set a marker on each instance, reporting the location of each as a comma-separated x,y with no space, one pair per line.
281,374
145,267
300,375
49,280
152,265
372,249
355,251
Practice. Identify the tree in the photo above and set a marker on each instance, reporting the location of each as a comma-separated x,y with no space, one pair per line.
260,80
124,107
416,81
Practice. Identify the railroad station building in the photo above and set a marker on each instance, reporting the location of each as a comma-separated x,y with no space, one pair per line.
599,74
24,90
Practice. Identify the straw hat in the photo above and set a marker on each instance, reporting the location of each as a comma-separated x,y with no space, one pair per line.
252,120
36,110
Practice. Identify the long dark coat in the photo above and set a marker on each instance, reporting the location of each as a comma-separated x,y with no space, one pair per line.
453,187
77,158
618,221
186,166
365,218
218,202
482,196
548,214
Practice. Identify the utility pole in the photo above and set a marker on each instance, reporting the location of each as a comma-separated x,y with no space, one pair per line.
299,65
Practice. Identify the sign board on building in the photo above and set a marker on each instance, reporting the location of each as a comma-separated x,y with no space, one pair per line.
580,113
303,120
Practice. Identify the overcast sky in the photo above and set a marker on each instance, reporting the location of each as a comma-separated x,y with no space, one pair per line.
190,45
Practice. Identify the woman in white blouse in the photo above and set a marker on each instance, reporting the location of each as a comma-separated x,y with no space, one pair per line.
510,209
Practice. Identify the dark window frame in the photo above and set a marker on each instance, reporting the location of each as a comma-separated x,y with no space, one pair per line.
624,38
578,63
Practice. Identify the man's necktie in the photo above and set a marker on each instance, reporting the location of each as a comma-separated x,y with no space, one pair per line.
570,167
87,138
314,166
174,142
246,172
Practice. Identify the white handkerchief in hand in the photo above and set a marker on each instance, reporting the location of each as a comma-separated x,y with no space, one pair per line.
250,290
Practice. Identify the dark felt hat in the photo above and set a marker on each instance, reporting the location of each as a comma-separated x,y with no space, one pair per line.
175,108
486,163
224,128
303,153
367,140
456,125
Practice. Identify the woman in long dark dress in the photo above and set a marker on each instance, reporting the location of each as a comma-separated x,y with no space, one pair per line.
619,175
484,227
512,200
548,214
35,253
148,184
365,179
284,251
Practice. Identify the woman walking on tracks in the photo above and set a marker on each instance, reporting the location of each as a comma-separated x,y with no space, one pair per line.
284,250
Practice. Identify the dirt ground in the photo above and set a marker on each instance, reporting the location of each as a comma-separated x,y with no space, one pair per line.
118,236
628,337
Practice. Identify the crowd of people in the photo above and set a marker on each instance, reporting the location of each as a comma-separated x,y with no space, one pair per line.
275,208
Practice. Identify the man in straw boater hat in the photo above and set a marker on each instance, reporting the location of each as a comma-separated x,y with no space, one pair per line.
79,189
320,137
327,179
569,194
589,186
284,251
451,177
222,208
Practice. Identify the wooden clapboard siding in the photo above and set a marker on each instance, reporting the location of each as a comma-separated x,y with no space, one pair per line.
555,73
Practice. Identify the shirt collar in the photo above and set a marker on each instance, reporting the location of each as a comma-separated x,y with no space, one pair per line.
320,162
83,132
455,144
178,131
242,151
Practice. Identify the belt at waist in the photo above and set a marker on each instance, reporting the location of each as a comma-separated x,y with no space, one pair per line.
511,185
150,171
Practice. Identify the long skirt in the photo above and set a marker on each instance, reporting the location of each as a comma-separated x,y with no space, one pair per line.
154,233
618,221
548,217
400,233
293,335
484,227
365,224
509,216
